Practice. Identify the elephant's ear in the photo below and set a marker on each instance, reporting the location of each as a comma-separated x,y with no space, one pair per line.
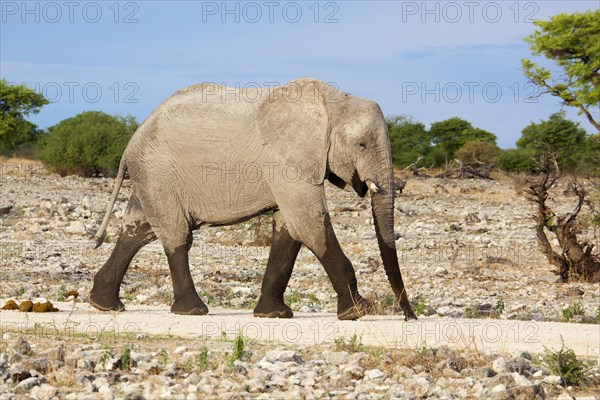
293,123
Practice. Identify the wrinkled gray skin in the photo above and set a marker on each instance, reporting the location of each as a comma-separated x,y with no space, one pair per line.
208,157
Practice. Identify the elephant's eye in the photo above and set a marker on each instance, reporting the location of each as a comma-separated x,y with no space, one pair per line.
362,145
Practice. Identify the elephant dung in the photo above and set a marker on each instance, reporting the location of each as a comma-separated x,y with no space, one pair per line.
26,306
10,305
44,307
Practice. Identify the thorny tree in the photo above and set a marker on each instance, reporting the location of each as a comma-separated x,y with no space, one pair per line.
575,261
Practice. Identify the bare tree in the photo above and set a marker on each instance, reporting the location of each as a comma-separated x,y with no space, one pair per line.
416,171
575,261
461,170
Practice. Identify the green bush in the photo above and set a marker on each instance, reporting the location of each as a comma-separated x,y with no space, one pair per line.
88,144
564,363
17,135
517,160
565,138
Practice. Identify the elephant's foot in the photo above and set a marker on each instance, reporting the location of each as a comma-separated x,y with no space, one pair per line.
406,308
359,308
272,309
105,302
190,304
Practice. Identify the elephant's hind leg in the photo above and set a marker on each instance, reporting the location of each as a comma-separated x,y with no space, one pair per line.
137,232
282,257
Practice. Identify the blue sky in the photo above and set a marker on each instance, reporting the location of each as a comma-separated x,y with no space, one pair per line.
431,60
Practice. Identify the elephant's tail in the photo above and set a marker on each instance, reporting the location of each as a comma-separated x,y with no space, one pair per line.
101,234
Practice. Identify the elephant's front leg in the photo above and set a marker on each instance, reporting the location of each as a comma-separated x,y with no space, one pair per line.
339,269
282,257
308,222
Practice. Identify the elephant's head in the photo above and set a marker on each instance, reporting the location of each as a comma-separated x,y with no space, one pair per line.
343,138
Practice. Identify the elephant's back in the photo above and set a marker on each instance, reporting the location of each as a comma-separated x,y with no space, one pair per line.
199,118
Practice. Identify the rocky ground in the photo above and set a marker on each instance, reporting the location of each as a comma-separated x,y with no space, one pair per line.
467,249
172,368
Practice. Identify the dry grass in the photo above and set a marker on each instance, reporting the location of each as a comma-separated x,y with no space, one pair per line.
18,167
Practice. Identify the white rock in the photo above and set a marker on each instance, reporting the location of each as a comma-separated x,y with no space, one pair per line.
27,384
87,203
499,388
141,298
192,388
105,392
440,271
76,228
307,382
337,358
552,380
100,382
181,350
373,374
44,391
520,380
499,365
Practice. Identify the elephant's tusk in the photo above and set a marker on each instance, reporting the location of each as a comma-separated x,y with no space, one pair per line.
372,186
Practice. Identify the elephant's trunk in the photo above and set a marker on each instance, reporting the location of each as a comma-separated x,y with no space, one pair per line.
382,203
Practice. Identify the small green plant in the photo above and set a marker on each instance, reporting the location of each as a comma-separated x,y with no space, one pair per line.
126,361
127,295
163,357
209,297
22,290
421,351
598,316
203,359
62,291
420,306
238,350
354,345
572,311
312,301
292,298
499,307
564,362
469,312
105,356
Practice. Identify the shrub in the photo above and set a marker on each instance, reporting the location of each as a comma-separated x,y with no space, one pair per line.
517,160
477,150
564,363
353,345
89,144
572,311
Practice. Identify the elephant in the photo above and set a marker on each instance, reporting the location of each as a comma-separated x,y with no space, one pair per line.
210,155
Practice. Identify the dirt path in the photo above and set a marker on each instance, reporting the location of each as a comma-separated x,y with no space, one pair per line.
306,329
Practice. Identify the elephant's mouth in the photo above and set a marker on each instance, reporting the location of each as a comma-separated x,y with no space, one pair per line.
359,186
